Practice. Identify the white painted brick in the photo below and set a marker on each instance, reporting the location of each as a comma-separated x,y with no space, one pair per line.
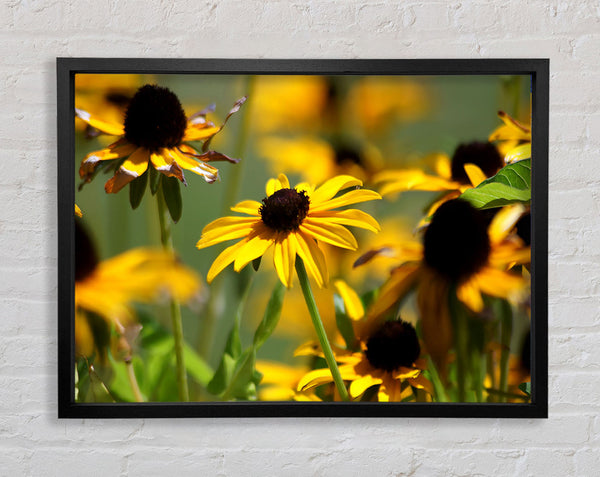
34,33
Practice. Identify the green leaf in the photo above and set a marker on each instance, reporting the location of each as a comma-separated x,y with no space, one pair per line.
154,179
223,375
526,388
271,316
344,324
242,385
137,187
196,366
233,347
511,184
172,194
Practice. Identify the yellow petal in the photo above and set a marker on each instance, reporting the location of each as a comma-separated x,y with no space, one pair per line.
353,217
284,258
225,228
273,185
360,385
256,246
133,167
118,150
519,153
421,382
501,284
331,187
164,163
283,180
475,174
112,129
249,207
352,197
225,258
469,294
443,166
329,233
199,132
352,303
315,378
78,211
312,256
504,221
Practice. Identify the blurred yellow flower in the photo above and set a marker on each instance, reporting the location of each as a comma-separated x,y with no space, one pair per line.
316,160
108,288
155,131
458,250
291,221
280,381
513,137
387,362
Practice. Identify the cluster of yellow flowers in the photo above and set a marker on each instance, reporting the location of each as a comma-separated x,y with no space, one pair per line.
462,261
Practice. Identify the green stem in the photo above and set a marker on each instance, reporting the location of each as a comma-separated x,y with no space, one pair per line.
320,329
176,321
461,344
133,381
207,331
505,337
438,387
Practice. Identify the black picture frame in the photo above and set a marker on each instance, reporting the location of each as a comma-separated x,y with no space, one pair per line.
539,71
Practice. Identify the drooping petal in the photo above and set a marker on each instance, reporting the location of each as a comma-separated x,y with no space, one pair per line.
470,295
258,243
315,378
117,150
352,303
508,254
353,217
500,284
210,173
110,128
312,256
284,258
132,168
352,197
225,258
421,382
164,163
331,187
398,285
333,234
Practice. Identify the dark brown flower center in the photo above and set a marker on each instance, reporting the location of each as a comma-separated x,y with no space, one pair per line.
284,210
86,259
155,118
456,242
393,345
482,154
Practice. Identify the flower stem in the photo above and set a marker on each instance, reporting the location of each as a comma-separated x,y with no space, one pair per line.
176,321
505,336
133,381
320,329
461,344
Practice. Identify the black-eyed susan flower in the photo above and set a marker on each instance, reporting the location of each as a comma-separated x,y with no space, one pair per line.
155,132
513,138
460,251
387,362
316,160
107,288
291,221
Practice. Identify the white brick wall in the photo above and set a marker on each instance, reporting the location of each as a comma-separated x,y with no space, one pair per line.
33,33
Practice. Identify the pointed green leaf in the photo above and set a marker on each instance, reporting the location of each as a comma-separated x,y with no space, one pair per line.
511,184
271,315
154,179
137,187
241,385
344,324
172,194
222,377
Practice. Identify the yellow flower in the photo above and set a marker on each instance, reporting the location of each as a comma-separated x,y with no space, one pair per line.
387,361
377,100
107,288
155,131
514,139
78,212
280,381
291,221
316,160
458,250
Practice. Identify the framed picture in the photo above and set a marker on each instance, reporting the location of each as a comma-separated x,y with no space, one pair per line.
265,238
